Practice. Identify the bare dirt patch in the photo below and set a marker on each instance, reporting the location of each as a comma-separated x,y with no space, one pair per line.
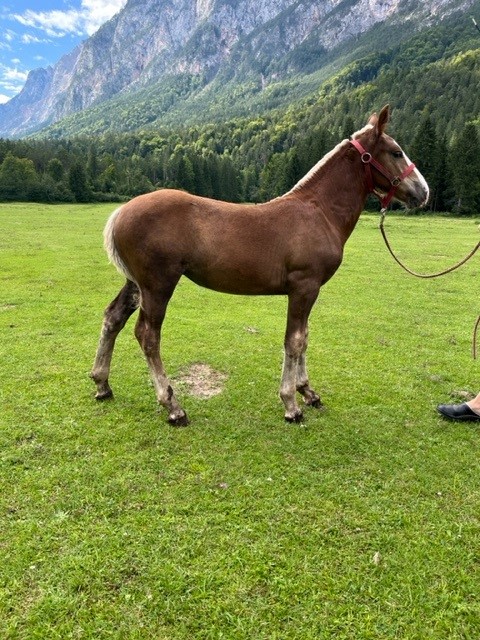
201,380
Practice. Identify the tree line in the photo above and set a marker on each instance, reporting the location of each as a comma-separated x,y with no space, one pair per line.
240,161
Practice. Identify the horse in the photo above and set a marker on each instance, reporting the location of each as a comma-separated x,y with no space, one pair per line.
291,245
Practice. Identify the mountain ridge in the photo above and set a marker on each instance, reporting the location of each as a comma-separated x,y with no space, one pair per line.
176,60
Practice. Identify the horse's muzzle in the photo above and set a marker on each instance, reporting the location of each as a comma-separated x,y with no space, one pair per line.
418,196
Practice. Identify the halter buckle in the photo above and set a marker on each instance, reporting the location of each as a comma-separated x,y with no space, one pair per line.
366,157
396,181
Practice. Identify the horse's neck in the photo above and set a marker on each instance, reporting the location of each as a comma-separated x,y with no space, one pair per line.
335,186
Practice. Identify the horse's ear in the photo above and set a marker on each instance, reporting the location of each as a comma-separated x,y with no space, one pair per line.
380,122
383,119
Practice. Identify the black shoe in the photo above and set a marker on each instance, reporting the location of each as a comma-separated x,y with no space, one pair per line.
457,412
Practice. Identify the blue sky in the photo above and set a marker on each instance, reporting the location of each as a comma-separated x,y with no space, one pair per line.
37,33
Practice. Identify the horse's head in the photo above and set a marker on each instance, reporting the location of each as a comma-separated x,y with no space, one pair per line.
389,172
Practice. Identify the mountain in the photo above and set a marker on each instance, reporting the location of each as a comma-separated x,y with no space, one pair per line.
180,61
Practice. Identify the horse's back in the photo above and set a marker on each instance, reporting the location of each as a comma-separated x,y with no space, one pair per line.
160,206
173,217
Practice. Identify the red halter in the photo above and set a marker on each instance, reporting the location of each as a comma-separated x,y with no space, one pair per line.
368,160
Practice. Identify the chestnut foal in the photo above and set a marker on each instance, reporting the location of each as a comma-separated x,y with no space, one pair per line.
289,246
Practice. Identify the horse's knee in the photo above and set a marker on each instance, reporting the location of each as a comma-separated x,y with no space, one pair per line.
295,344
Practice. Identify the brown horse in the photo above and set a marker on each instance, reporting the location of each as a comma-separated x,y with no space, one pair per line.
289,246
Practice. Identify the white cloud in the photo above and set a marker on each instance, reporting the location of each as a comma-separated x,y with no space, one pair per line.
96,13
13,74
7,37
11,80
84,21
27,38
55,24
13,89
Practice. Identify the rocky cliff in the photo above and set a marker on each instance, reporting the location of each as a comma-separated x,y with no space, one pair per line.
150,40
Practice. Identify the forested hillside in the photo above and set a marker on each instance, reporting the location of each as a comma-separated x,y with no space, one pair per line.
159,63
431,82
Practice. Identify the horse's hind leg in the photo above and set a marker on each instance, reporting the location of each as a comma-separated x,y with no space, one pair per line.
310,397
115,317
147,332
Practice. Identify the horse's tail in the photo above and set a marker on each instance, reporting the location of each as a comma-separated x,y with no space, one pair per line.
111,249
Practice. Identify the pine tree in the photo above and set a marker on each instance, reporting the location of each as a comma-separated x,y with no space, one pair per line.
273,177
443,196
348,127
425,151
55,169
93,168
203,183
466,170
185,175
230,186
77,180
293,169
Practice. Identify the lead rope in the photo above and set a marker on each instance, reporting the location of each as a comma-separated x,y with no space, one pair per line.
474,340
433,275
423,275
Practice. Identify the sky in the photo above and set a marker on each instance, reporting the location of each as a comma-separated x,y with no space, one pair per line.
37,33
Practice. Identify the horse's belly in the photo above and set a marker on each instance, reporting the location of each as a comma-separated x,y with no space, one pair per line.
238,281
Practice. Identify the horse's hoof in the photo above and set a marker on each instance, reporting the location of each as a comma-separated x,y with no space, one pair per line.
179,420
296,417
316,404
105,395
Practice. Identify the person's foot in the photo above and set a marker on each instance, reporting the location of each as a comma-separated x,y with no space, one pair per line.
457,412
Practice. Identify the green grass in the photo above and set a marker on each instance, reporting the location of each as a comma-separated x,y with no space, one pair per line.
362,522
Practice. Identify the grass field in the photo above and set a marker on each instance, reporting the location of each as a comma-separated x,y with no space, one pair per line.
362,522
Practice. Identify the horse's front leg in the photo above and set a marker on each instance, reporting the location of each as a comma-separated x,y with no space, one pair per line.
299,306
310,397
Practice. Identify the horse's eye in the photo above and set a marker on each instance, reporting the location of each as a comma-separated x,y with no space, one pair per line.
397,154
